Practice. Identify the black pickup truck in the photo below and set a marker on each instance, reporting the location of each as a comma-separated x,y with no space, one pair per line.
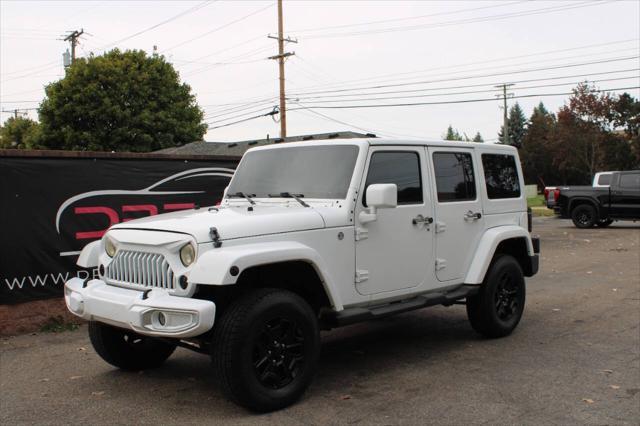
588,206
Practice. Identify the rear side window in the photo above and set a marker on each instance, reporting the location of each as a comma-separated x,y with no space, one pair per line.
630,181
454,176
501,176
604,179
401,168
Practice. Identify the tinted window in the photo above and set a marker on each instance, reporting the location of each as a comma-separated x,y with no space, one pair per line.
631,181
454,176
401,168
604,180
314,171
501,176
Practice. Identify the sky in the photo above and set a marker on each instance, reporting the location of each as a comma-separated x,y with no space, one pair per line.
445,56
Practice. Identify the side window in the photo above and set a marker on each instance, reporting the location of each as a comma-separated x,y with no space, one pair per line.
630,181
501,176
401,168
604,179
454,176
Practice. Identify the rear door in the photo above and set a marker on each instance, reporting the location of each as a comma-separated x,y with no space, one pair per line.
459,219
625,196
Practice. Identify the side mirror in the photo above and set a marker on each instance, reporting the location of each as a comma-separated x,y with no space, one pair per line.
379,196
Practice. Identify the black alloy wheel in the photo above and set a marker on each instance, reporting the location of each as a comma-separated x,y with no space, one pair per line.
265,349
584,216
278,353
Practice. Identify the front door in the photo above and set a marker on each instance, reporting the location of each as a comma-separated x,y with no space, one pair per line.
459,219
393,252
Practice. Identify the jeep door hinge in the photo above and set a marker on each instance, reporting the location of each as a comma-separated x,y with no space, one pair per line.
440,227
440,264
361,275
361,234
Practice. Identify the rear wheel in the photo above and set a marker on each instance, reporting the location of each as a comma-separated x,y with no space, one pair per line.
584,216
265,349
128,350
497,309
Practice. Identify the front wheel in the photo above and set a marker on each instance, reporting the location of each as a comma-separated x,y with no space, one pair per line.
497,309
128,350
265,349
584,216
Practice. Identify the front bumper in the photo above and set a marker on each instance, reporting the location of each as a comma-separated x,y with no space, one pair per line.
152,313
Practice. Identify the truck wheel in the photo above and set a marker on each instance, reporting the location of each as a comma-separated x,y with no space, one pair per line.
496,310
604,223
265,349
128,350
584,216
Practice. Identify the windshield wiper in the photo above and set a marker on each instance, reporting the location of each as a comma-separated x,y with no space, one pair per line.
290,195
242,195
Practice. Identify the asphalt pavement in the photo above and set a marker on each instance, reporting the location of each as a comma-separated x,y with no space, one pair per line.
574,359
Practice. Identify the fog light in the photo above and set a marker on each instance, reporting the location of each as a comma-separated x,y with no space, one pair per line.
162,319
184,282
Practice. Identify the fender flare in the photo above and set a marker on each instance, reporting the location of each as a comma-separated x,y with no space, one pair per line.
213,267
589,200
90,255
487,248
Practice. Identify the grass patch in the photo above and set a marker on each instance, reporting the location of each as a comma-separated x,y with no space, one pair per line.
537,201
58,324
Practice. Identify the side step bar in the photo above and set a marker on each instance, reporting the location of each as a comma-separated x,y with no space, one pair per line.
353,315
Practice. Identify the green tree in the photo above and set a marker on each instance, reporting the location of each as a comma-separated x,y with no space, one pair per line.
536,151
517,126
452,135
477,138
19,133
120,101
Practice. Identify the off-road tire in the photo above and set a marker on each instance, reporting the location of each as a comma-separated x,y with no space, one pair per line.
603,223
497,309
251,331
584,216
128,350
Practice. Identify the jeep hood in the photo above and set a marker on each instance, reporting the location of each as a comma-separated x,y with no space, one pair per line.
231,222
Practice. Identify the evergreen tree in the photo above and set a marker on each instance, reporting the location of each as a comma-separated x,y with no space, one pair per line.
477,138
452,135
517,126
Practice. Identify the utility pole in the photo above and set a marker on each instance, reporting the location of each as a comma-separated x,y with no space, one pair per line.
73,38
280,57
505,126
16,111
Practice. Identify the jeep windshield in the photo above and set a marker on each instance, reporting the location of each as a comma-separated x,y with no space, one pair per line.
306,171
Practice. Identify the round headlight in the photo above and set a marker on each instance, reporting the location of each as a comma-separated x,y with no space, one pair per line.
109,247
187,254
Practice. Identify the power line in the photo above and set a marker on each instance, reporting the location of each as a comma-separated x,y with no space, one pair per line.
385,77
461,21
408,104
159,24
457,93
467,86
272,113
219,28
474,76
407,18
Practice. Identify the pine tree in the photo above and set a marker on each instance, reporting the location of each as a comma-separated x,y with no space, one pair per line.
477,138
517,126
452,135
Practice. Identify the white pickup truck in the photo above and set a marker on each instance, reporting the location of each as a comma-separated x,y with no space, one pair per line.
311,236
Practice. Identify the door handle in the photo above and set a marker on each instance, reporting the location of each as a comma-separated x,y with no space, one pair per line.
422,220
472,216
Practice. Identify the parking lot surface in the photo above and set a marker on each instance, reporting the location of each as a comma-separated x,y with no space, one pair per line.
574,359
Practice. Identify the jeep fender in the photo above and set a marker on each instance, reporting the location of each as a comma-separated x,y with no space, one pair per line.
214,266
90,255
487,248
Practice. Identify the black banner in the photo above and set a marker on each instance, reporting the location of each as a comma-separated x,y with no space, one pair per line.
50,208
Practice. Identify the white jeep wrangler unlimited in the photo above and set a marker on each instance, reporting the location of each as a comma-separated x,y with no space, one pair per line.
310,236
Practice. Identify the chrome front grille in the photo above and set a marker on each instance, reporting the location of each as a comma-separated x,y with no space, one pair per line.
140,269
